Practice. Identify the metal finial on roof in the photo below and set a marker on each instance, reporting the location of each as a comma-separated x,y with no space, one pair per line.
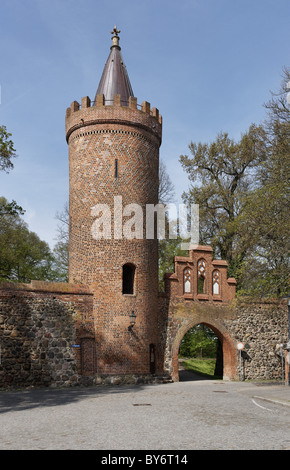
115,79
115,37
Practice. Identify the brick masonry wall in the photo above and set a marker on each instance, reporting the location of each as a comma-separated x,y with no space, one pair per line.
174,282
97,137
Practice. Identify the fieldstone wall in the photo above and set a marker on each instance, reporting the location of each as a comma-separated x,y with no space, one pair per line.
262,327
39,326
184,314
47,336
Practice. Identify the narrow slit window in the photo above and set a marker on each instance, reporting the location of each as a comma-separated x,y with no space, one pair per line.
201,273
187,281
116,168
128,279
200,285
216,283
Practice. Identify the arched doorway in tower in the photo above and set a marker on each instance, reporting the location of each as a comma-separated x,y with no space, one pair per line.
192,347
200,354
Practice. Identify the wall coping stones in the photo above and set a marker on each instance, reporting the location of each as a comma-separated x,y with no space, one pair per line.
46,286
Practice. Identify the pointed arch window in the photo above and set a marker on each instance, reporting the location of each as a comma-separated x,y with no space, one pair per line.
216,282
187,281
128,278
201,276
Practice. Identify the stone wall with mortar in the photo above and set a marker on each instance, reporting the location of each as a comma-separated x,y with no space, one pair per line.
47,336
262,326
40,325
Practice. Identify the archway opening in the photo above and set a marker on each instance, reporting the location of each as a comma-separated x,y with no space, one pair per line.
200,354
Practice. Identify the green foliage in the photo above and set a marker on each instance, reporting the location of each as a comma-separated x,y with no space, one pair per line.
242,189
7,150
222,173
168,249
204,367
265,221
199,341
60,254
23,256
10,208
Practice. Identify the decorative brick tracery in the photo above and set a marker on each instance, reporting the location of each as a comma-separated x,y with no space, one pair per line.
200,264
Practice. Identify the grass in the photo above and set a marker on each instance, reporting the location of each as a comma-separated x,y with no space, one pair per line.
204,367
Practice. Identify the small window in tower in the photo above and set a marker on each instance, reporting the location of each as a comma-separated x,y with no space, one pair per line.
128,278
187,280
116,168
201,276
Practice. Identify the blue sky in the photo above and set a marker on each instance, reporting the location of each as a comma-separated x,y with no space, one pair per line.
207,65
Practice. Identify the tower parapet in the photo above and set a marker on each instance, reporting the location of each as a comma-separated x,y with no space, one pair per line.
90,113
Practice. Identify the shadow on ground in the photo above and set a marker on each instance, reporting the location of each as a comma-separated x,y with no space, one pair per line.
188,376
45,397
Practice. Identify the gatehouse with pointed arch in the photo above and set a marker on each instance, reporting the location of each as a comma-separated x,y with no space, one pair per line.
110,324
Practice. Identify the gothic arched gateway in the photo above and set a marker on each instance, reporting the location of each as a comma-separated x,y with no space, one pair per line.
189,302
228,345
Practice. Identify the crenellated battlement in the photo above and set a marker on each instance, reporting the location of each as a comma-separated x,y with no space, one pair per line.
102,111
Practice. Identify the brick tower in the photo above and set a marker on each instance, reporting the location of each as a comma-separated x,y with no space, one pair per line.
113,168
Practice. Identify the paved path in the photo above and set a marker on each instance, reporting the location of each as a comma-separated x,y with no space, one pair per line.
189,415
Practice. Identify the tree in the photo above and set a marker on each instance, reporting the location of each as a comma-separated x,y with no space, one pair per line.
23,256
222,173
278,106
7,153
243,192
60,251
199,341
166,192
265,221
7,150
11,208
63,226
168,248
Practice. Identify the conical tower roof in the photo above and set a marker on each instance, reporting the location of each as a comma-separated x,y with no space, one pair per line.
115,79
